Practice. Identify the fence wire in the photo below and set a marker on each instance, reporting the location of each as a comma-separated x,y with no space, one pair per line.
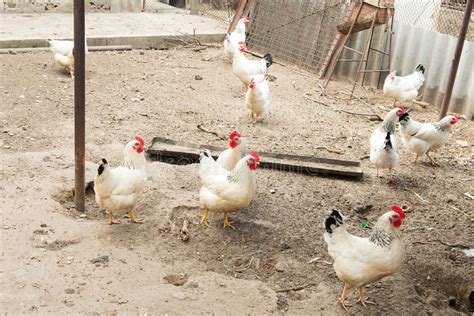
298,32
443,16
222,10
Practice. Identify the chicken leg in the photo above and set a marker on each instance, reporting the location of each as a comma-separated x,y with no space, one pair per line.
226,222
343,298
433,162
416,159
111,219
362,298
204,217
133,219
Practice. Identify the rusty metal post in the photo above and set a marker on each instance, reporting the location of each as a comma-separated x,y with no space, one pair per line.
456,59
79,105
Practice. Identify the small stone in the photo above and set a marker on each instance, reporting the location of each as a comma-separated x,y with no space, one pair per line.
176,279
7,147
282,303
142,53
100,259
70,258
198,77
69,291
83,216
43,225
462,143
273,191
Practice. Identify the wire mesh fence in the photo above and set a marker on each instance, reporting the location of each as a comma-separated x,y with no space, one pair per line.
222,10
443,16
298,32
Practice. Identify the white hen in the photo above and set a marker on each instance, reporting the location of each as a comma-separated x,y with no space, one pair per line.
232,40
64,53
421,138
118,189
245,68
360,261
383,143
226,191
257,97
404,88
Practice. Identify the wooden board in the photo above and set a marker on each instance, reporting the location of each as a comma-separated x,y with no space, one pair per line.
169,151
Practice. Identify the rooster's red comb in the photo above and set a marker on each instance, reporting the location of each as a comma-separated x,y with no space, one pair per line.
398,209
234,135
254,155
401,108
142,142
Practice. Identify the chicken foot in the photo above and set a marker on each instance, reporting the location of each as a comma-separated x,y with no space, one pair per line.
343,298
226,221
362,298
133,219
111,219
204,217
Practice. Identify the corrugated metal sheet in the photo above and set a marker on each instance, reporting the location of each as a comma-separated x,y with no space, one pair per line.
412,45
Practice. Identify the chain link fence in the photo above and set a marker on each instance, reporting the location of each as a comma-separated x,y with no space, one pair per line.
443,16
297,32
222,10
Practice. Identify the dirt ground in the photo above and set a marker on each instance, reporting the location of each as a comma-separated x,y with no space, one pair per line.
276,260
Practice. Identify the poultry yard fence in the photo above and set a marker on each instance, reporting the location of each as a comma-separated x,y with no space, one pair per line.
301,32
442,16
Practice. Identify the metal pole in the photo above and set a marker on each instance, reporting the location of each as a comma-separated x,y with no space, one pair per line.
457,57
79,104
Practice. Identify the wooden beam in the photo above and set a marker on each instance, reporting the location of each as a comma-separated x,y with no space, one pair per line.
169,151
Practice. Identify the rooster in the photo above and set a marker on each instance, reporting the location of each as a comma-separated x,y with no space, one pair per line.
245,69
232,40
360,261
383,144
226,191
229,157
64,53
118,189
421,138
404,88
257,97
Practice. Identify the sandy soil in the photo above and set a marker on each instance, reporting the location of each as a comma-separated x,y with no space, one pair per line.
276,260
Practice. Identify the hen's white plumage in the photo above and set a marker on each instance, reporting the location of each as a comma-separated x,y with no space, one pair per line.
232,40
383,143
360,261
420,138
245,68
257,98
118,189
225,191
404,88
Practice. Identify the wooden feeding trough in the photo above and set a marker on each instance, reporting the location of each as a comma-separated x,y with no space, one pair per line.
169,151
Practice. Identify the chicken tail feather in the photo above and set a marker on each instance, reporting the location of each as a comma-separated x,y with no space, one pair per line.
269,59
334,220
420,68
388,143
102,166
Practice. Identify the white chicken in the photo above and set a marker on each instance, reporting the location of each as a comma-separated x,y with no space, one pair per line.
232,40
226,191
118,189
404,88
383,143
421,138
64,53
229,157
257,97
245,68
360,261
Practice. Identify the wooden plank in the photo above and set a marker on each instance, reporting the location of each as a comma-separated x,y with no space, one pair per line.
169,151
